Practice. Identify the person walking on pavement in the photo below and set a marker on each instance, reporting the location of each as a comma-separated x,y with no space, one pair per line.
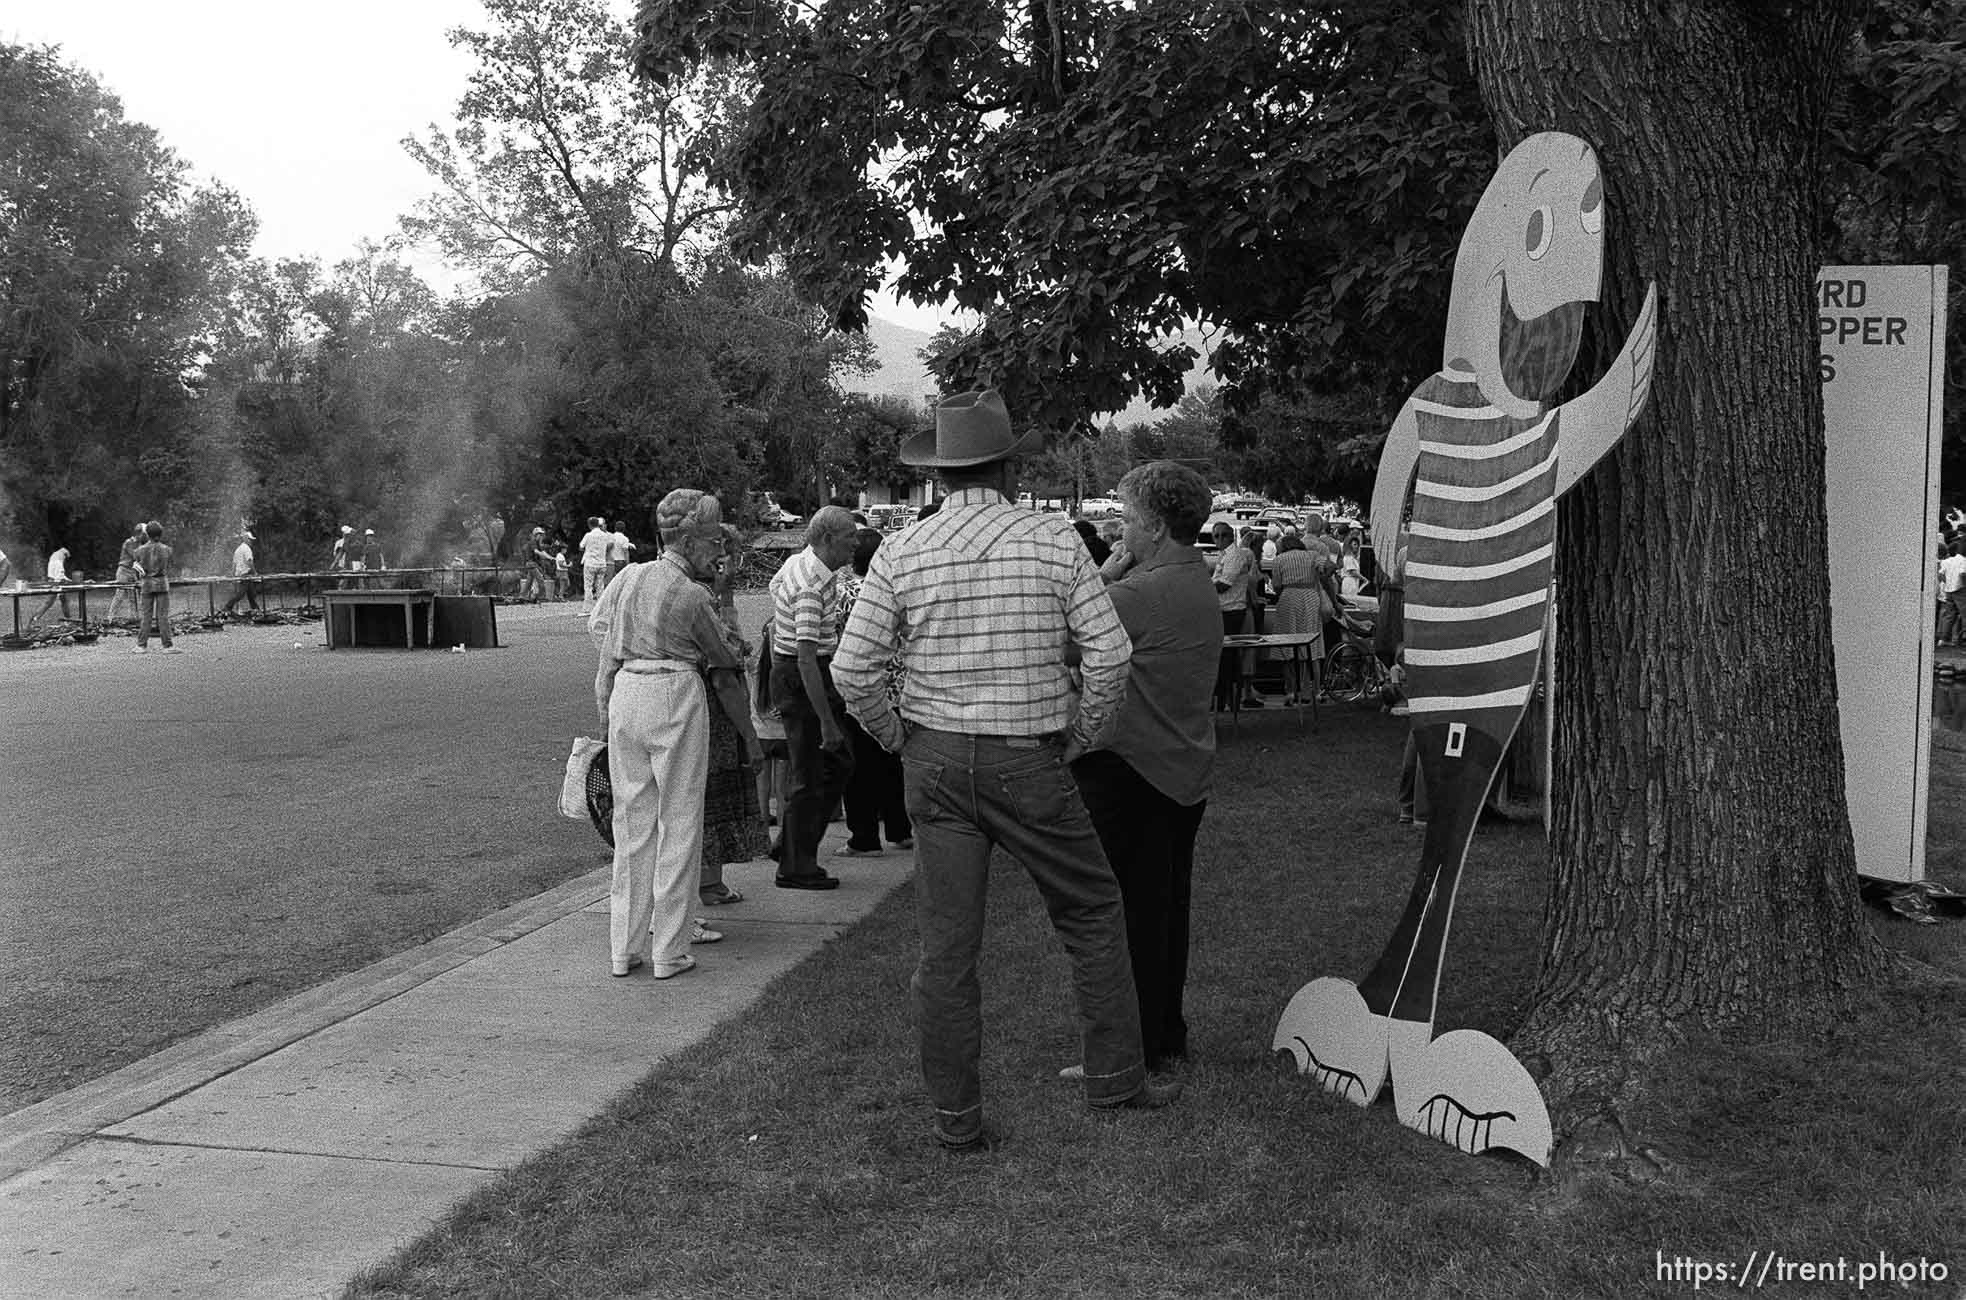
985,740
1952,590
339,559
619,548
245,587
58,579
126,575
594,545
659,635
538,578
153,566
804,634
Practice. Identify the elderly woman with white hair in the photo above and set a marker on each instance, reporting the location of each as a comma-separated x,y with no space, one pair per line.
660,639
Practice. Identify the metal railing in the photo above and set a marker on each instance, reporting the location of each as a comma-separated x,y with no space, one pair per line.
280,591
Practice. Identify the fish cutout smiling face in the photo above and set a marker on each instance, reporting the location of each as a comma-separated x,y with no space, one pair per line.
1531,258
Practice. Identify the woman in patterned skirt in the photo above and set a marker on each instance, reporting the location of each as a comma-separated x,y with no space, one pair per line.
733,823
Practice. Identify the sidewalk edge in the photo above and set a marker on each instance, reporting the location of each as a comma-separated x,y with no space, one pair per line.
38,1132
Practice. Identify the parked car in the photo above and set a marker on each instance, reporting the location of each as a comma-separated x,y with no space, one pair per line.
1282,515
1099,508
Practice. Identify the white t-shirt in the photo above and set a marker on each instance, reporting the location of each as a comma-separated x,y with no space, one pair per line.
594,548
618,547
58,566
242,560
1952,571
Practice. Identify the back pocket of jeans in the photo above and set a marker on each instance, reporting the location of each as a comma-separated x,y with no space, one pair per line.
1043,795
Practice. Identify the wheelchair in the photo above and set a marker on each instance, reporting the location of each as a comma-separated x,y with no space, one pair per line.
1352,671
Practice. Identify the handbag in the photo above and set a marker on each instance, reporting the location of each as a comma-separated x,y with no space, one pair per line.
573,788
600,796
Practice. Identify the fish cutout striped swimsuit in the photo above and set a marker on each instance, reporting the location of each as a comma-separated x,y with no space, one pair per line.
1479,558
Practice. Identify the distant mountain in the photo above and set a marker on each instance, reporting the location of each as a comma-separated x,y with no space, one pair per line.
898,366
899,369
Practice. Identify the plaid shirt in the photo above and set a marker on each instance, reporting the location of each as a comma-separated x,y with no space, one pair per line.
981,601
804,593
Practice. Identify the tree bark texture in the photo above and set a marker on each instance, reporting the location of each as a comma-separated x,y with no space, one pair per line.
1702,864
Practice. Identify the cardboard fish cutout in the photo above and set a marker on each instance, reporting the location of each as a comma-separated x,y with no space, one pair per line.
1491,457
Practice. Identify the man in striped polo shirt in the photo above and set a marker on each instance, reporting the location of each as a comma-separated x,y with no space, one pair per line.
981,602
804,634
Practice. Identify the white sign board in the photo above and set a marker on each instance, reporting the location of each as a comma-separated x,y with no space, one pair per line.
1882,336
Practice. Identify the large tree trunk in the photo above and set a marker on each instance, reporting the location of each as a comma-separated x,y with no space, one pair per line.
1703,873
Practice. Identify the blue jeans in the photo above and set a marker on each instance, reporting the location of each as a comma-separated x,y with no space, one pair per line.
967,796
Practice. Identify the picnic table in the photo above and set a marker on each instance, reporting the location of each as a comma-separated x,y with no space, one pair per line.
374,608
1299,644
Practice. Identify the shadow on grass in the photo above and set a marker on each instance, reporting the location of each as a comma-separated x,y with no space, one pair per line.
788,1154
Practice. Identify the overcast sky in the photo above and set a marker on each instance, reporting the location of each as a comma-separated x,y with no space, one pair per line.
301,109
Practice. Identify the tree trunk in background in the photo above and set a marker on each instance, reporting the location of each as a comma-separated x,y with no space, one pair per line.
1703,871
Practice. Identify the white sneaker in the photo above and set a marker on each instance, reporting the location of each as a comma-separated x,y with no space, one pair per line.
172,650
139,650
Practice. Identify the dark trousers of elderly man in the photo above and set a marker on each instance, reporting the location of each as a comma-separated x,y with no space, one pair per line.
816,777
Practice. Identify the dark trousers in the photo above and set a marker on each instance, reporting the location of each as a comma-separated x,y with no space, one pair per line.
967,796
815,776
1150,840
1952,616
874,797
154,611
1228,674
246,589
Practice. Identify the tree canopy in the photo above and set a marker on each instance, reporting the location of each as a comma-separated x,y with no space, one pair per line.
115,277
1090,177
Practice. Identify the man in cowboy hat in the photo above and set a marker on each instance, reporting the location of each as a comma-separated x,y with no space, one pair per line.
979,602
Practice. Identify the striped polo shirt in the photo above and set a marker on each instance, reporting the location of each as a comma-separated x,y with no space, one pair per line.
804,595
982,600
1480,558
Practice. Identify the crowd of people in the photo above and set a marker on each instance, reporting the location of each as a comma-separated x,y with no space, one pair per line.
1951,611
973,681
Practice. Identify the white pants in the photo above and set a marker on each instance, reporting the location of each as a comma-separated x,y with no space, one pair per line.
658,763
595,579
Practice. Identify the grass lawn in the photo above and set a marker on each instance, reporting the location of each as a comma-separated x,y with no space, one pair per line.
788,1154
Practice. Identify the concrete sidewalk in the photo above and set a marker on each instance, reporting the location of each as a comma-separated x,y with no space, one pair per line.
282,1153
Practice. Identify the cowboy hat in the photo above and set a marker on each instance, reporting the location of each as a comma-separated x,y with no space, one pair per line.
970,429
